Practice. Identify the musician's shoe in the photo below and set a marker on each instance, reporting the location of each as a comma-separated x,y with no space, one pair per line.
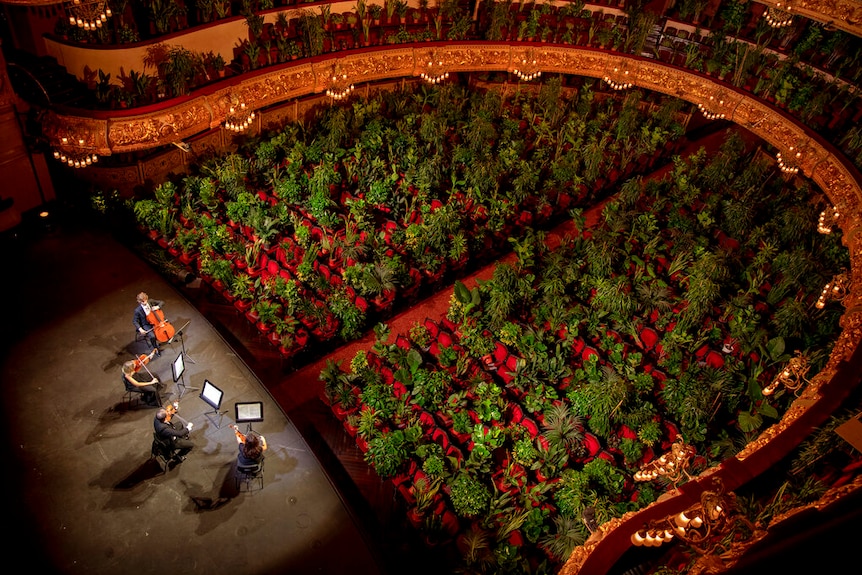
179,458
158,352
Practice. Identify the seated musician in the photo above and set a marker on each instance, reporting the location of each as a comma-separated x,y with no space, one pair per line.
251,448
142,324
173,429
134,381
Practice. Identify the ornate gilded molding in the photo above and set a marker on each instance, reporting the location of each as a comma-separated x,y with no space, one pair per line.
842,14
32,2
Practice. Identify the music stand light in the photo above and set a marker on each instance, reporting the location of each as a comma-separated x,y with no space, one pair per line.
248,412
212,395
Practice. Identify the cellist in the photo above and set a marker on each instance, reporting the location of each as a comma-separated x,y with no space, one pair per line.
142,324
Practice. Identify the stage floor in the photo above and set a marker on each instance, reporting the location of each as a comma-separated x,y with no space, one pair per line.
85,496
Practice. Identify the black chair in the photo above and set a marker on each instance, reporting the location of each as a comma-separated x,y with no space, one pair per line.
133,395
163,451
248,474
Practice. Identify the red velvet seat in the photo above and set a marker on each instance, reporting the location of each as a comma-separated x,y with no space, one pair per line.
531,427
649,338
441,438
714,359
515,413
432,327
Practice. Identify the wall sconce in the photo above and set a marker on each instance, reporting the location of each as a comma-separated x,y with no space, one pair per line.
435,70
88,14
339,86
828,220
713,109
672,465
791,377
528,68
789,163
778,16
619,77
75,152
837,289
694,526
239,116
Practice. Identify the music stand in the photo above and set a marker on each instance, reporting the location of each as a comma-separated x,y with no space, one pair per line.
213,396
248,412
178,368
179,334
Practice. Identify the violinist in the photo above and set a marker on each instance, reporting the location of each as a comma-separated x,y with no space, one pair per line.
174,430
145,307
251,447
133,380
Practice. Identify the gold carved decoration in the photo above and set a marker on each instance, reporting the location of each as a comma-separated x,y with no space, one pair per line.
842,14
159,128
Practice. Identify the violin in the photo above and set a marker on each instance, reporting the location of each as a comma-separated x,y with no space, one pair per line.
162,328
239,434
142,360
171,408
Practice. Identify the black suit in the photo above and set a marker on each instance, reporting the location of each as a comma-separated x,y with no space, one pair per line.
176,435
140,321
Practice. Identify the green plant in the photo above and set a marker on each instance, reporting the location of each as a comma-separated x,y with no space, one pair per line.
469,496
420,335
387,452
219,269
165,14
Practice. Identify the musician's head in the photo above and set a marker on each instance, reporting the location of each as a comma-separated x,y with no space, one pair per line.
142,297
161,414
129,367
252,447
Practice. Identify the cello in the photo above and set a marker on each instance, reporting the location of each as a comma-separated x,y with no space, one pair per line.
162,328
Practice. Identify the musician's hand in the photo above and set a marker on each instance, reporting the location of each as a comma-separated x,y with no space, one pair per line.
142,330
155,307
233,427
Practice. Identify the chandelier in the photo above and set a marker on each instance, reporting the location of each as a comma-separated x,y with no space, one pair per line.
837,289
88,14
435,71
671,465
339,85
697,525
239,116
75,152
528,68
618,78
828,220
713,109
791,377
778,17
789,163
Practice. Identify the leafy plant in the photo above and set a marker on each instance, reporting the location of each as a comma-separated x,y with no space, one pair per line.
469,496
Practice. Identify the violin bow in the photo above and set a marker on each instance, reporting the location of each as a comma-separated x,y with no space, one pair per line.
144,365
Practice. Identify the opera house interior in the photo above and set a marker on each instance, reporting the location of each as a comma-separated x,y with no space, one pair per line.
545,287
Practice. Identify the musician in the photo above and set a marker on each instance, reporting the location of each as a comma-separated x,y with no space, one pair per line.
143,325
174,430
251,447
132,377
